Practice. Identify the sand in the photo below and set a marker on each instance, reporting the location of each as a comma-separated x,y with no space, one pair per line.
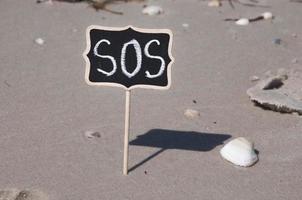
46,107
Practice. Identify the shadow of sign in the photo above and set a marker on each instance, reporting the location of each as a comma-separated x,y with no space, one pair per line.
181,140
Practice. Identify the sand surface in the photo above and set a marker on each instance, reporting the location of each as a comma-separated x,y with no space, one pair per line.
46,106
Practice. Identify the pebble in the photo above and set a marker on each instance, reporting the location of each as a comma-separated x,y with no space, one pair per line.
242,22
39,41
152,10
92,134
277,41
191,113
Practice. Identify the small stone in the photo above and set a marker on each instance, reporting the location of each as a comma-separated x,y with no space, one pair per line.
254,78
39,41
242,22
214,3
152,10
294,35
190,113
194,101
92,134
277,41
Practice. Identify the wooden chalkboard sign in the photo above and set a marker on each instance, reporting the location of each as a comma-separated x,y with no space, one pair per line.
128,57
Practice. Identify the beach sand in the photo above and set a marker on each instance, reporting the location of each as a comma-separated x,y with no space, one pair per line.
46,107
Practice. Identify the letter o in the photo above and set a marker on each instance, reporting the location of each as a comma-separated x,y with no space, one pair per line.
138,52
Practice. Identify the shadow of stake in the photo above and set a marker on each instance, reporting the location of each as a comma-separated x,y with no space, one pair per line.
181,140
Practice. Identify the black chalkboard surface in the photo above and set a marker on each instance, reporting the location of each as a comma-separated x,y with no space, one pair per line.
128,57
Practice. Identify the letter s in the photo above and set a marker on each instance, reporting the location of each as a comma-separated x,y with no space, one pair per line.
95,51
162,67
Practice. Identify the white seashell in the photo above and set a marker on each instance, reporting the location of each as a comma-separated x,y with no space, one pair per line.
242,22
267,15
240,152
152,10
190,113
39,41
214,3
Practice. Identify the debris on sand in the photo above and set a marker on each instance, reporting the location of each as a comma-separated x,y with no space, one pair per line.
281,92
246,21
31,195
191,113
250,3
152,10
96,4
214,3
92,134
39,41
15,194
240,152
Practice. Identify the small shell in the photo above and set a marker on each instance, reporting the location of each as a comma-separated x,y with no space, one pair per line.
267,15
214,3
240,152
39,41
190,113
242,22
152,10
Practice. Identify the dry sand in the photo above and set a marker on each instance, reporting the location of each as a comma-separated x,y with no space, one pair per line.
46,106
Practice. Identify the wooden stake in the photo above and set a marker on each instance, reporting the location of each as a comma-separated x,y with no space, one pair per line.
126,137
